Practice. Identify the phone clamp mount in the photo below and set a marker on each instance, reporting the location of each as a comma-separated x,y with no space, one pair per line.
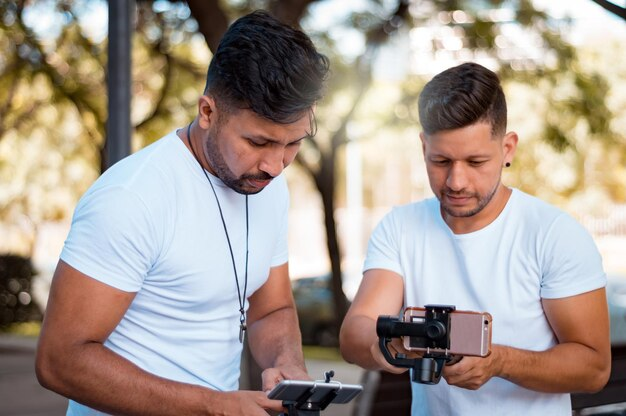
303,407
432,332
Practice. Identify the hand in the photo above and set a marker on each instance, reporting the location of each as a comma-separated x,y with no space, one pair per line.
272,376
472,372
395,347
248,403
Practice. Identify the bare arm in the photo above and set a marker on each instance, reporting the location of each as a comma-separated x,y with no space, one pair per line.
274,334
381,293
72,360
581,362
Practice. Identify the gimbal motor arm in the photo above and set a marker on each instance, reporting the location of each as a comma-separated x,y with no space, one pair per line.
433,332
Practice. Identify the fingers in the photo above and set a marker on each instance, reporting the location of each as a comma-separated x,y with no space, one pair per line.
294,372
270,378
268,404
470,373
455,359
244,402
382,362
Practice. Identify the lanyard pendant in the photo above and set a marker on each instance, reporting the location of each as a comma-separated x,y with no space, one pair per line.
242,328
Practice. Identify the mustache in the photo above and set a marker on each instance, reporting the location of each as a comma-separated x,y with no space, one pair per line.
261,176
452,193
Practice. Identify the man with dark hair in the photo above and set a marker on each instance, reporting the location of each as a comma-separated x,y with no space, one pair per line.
179,251
482,246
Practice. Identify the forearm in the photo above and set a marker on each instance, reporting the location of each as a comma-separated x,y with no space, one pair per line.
567,367
97,377
275,340
358,334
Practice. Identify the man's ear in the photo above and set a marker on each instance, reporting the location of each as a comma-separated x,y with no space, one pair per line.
423,139
509,145
207,111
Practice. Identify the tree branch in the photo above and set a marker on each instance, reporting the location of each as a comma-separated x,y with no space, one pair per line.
24,115
212,21
289,11
4,108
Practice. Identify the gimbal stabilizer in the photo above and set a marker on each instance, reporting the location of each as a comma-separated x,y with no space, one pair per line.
433,332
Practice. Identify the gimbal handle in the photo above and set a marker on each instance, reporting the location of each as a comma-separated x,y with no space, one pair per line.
435,330
426,370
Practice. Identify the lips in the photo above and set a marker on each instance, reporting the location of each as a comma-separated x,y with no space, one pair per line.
259,183
458,199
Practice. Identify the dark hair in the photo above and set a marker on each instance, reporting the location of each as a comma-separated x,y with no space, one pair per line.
267,67
461,96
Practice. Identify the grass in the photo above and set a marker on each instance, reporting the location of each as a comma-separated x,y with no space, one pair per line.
27,329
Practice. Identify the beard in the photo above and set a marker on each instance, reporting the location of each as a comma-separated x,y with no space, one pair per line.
215,159
482,202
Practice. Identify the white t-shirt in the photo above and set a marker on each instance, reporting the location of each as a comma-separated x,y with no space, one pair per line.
150,225
531,251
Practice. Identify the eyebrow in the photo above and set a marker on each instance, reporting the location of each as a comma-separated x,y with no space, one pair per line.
470,157
272,140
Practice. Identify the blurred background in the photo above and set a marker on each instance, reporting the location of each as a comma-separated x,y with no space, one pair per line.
561,62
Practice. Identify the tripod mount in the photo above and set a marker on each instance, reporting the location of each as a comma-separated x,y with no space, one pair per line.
309,398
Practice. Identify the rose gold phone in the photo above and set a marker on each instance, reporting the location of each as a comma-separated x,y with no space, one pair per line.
470,332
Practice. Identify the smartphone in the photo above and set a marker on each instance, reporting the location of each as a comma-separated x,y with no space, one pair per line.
470,332
292,390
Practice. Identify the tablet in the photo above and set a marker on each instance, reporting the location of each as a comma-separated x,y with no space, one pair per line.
292,390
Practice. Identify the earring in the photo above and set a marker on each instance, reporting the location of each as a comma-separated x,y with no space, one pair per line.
507,164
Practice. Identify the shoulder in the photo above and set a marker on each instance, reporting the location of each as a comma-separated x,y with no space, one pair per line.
149,174
414,212
537,214
532,206
407,218
155,161
136,189
540,211
551,226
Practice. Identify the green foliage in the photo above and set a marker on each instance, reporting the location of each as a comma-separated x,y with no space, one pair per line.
575,116
555,138
53,99
53,92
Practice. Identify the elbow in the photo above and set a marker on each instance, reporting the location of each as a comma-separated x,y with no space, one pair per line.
43,369
599,379
354,345
46,369
345,347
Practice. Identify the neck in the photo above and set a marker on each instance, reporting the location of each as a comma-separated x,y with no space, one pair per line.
186,135
478,221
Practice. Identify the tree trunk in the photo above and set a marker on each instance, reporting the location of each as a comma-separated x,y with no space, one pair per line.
325,182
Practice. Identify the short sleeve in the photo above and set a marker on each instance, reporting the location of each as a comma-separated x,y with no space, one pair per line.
112,238
571,261
383,250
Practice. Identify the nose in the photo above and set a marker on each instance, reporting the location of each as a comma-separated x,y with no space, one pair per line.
273,162
457,177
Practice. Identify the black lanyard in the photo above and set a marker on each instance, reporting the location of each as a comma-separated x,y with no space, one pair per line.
242,299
